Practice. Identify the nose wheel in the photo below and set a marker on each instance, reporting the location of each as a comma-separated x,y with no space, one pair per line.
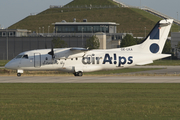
19,74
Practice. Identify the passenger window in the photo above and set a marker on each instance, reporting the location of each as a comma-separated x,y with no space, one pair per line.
25,56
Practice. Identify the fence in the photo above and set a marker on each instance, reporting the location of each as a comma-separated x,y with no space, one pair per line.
87,6
17,45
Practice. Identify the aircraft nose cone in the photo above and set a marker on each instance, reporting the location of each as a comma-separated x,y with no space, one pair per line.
7,65
11,65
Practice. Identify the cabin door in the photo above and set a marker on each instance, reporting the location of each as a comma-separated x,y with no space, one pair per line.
37,60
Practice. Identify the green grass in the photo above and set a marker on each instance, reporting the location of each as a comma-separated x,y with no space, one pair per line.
92,2
149,16
119,71
90,101
166,63
3,62
175,28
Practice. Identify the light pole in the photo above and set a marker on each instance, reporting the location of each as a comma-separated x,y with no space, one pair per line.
177,16
7,43
48,29
178,20
53,30
39,30
92,30
43,30
82,36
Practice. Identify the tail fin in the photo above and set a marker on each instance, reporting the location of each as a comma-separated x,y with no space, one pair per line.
155,41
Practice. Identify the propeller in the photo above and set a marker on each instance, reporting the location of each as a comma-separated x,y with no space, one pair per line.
52,51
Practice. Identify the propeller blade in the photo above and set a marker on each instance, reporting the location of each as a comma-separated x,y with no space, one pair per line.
52,51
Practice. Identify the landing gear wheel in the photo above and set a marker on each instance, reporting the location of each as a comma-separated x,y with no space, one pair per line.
78,73
75,74
19,74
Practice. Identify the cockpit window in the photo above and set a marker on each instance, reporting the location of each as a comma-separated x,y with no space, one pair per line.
22,56
25,56
19,56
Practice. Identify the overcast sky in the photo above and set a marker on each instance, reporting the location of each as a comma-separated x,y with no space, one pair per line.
12,11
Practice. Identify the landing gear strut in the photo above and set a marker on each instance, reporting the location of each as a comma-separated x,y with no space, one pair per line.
78,73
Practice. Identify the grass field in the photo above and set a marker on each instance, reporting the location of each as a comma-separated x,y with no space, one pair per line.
3,62
166,63
90,101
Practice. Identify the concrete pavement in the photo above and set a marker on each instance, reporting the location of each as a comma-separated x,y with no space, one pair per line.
90,79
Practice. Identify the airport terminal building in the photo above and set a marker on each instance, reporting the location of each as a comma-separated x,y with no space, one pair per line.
105,31
85,27
14,32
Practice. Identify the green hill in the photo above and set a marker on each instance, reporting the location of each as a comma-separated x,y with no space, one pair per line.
92,2
131,20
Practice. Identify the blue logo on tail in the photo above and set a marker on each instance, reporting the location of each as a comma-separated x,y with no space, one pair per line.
154,48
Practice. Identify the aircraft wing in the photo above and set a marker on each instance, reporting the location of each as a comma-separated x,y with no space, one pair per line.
71,53
79,49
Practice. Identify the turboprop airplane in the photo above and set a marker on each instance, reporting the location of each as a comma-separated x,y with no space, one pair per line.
79,60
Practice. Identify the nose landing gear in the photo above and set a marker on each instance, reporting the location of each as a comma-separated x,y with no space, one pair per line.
19,72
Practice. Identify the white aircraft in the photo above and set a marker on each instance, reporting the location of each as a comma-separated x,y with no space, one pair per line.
79,60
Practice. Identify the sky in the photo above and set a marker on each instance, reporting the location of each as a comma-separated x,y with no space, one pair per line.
12,11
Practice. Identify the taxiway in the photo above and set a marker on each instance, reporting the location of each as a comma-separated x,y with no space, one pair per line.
90,79
152,76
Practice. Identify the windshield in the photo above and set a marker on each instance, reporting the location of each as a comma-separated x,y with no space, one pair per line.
25,56
22,56
19,56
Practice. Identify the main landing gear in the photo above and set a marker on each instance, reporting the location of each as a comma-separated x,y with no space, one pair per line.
78,73
19,74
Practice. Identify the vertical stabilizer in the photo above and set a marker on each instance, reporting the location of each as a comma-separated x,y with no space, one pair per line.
155,41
